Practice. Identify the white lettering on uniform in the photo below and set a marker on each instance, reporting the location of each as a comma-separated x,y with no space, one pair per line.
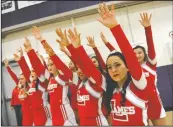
120,113
82,99
51,87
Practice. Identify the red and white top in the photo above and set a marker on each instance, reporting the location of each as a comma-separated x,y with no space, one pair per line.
14,100
137,93
89,94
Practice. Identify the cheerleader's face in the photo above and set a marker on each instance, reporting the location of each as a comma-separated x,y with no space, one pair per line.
139,54
33,75
95,62
72,67
22,80
117,68
51,67
81,74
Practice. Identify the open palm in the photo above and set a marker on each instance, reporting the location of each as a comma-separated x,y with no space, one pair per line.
145,20
107,16
36,33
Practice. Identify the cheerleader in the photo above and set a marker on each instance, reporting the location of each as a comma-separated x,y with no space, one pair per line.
129,99
92,84
37,91
62,113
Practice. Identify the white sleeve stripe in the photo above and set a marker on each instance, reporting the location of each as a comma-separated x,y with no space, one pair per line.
60,81
46,74
41,88
134,99
75,78
141,83
41,78
103,83
146,67
92,91
152,61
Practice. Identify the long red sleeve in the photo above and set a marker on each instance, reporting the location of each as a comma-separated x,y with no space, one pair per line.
61,66
101,61
109,46
74,56
132,62
36,64
13,75
24,67
150,44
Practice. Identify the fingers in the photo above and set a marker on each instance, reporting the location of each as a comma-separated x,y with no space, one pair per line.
113,8
106,9
150,16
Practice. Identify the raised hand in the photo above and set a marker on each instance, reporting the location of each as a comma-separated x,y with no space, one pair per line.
74,37
6,62
103,38
27,45
48,49
145,19
16,57
36,33
91,42
20,51
63,37
107,16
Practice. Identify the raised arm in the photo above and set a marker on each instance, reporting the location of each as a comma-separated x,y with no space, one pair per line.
108,45
38,67
86,64
108,19
12,74
145,22
92,45
23,65
62,68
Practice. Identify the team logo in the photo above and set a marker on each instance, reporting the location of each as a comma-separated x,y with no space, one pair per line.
82,99
120,113
51,87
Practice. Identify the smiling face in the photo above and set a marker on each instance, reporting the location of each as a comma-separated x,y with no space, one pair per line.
140,55
116,68
72,66
51,67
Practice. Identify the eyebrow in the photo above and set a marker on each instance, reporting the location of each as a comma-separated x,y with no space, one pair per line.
113,63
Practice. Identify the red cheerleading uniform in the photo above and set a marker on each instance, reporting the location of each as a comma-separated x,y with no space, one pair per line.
15,100
62,113
35,96
89,94
27,117
155,107
138,92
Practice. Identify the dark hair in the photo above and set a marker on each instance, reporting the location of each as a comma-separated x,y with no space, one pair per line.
143,49
37,83
112,85
99,65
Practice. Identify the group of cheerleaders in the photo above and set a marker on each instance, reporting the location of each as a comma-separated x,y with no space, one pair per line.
122,91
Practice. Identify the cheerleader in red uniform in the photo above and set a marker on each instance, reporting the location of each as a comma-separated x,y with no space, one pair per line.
36,92
15,102
72,88
156,112
131,95
27,119
92,84
62,113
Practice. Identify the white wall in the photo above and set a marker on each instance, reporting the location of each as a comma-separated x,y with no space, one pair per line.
88,26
